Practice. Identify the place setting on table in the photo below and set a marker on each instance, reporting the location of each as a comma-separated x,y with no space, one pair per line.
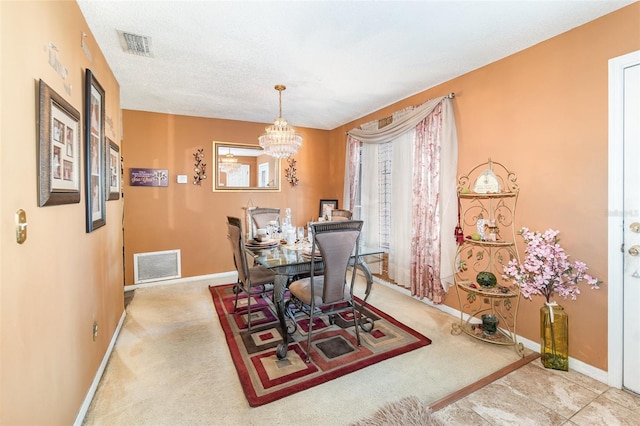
291,237
306,252
265,238
286,245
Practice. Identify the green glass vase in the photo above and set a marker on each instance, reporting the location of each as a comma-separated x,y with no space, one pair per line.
554,335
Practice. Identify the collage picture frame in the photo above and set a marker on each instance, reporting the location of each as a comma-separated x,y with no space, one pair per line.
95,173
58,149
113,171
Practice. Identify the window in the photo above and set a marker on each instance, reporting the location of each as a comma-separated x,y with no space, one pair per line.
384,190
383,204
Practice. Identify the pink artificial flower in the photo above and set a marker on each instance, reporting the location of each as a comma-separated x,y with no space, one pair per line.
546,269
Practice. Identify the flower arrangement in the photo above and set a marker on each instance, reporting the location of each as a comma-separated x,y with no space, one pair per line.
546,269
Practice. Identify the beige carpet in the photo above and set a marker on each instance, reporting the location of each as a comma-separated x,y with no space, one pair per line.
171,366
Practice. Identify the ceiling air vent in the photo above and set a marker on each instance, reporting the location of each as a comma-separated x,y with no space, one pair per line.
135,44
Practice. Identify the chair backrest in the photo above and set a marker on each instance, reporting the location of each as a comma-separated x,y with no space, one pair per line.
234,221
340,214
261,216
336,242
234,229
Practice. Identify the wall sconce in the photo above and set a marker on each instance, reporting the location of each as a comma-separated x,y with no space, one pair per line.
290,172
200,167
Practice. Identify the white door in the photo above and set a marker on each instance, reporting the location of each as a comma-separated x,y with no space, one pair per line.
623,282
631,225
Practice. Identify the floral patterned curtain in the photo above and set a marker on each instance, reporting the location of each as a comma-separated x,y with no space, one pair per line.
425,243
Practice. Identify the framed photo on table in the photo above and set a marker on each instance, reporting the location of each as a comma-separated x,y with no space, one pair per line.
94,153
113,169
326,206
59,139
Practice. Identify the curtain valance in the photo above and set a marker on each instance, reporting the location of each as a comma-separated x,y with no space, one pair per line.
406,123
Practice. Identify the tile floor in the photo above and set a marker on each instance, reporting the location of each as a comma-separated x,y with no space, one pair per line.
534,395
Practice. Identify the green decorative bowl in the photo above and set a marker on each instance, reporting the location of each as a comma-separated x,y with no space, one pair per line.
486,279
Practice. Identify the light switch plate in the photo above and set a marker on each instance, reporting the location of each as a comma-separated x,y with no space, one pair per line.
182,178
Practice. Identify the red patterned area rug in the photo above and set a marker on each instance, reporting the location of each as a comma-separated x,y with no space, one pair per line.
335,352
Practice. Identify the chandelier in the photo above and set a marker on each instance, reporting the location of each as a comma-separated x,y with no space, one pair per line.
229,163
280,140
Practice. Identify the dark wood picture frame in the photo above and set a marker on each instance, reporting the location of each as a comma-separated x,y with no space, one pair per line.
113,171
333,204
59,147
94,153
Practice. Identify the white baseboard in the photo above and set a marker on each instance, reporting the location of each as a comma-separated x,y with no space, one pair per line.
217,279
574,364
96,380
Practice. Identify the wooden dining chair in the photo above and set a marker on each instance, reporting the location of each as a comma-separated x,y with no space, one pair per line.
252,281
340,214
328,291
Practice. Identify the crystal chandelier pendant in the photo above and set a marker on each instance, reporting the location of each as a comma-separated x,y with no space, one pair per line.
229,163
280,140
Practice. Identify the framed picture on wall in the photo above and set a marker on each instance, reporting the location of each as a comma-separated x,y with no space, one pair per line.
113,171
59,139
326,207
94,153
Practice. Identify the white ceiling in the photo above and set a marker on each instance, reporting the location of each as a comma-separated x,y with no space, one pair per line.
340,60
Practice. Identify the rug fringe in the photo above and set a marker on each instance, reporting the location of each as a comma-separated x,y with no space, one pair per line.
408,411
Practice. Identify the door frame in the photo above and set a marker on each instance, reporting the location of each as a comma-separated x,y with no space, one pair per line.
616,215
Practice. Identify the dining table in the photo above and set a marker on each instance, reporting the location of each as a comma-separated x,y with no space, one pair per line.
292,260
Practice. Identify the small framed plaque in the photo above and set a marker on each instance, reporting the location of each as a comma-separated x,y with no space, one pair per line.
148,177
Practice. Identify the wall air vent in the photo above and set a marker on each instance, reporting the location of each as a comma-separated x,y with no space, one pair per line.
135,44
156,266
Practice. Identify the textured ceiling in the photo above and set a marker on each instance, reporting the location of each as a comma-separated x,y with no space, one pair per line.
340,60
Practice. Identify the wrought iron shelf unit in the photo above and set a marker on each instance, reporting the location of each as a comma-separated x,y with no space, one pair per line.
487,199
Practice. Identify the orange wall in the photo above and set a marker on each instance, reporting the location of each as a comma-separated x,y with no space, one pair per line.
55,285
543,113
192,218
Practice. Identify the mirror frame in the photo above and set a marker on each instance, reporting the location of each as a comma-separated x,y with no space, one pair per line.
216,181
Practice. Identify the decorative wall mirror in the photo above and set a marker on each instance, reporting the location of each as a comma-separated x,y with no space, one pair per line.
243,167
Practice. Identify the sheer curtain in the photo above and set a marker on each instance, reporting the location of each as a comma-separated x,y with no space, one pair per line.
400,225
426,195
351,169
370,197
369,194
